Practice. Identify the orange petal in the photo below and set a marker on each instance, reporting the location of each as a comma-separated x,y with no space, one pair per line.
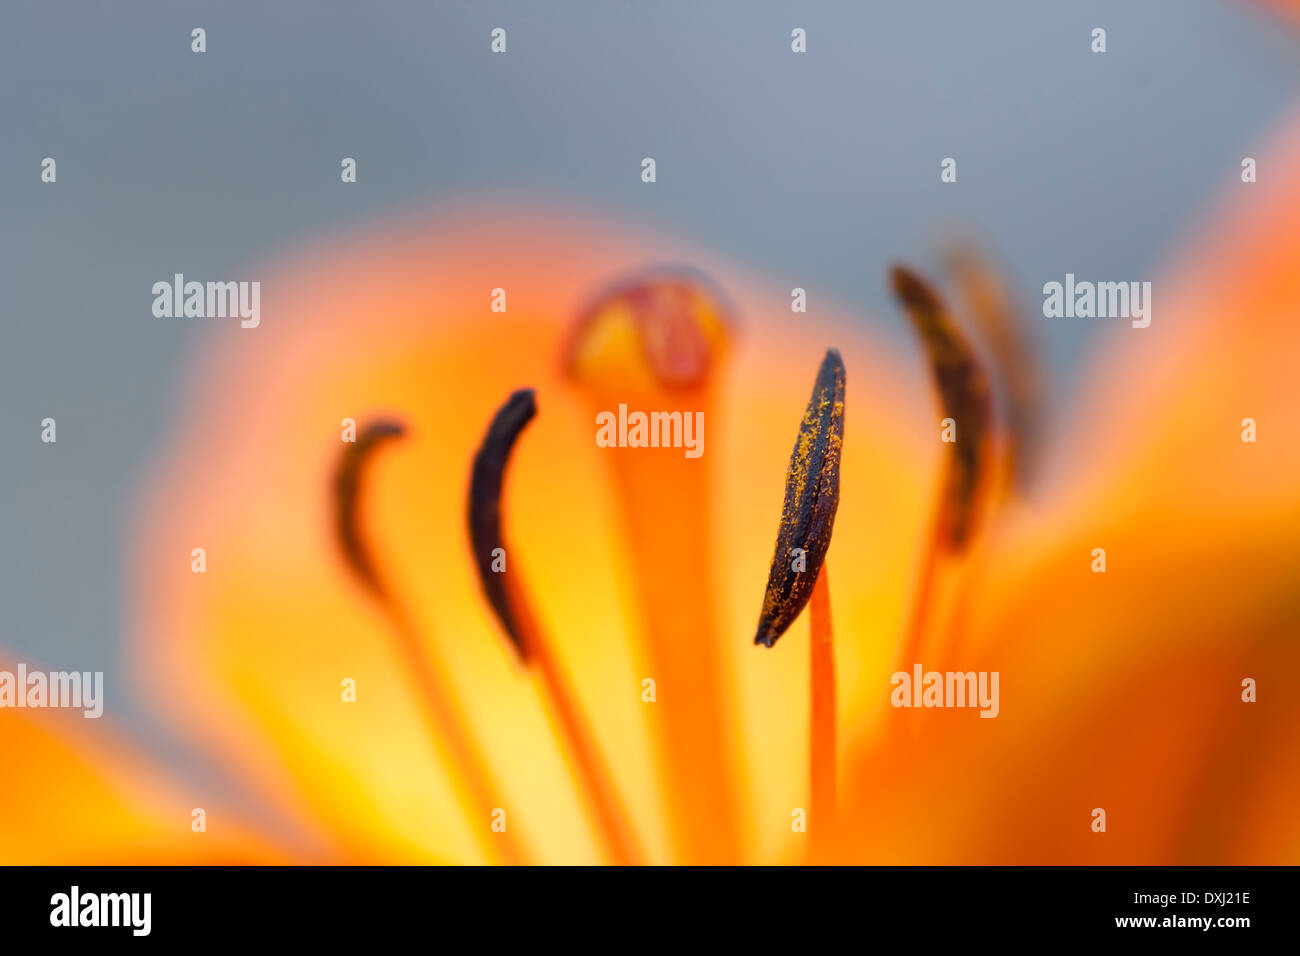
83,796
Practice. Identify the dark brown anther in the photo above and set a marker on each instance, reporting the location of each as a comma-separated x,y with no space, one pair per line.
964,395
485,486
812,494
347,491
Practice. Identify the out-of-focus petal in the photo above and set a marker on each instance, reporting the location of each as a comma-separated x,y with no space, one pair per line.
76,793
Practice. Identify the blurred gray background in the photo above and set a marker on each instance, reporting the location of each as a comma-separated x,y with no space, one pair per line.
819,168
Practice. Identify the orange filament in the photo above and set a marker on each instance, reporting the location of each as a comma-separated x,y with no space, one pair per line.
822,722
446,728
914,638
579,746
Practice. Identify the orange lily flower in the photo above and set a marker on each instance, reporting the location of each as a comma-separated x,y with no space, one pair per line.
368,690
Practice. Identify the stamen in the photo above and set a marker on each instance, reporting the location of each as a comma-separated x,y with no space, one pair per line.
964,395
821,762
508,598
812,495
1014,353
469,777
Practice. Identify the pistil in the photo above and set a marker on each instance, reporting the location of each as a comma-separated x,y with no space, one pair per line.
655,343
